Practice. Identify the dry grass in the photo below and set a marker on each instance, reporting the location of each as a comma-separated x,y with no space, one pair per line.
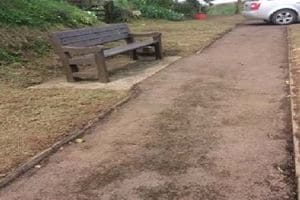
32,120
294,42
294,35
187,37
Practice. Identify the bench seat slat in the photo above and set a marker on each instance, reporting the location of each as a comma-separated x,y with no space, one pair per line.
93,36
85,31
128,47
90,59
82,38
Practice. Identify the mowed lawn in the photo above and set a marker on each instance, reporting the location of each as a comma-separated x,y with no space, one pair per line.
33,119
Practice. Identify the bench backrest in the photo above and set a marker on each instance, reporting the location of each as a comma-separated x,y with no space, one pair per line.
91,36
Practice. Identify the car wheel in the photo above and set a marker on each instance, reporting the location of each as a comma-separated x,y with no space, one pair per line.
284,17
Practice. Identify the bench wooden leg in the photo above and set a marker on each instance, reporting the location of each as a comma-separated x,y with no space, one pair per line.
101,68
74,68
158,51
68,68
134,55
68,71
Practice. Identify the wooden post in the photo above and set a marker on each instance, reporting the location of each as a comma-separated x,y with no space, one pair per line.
69,69
108,9
134,52
238,7
102,73
158,48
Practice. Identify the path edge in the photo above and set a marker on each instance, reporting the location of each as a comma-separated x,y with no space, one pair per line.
295,126
218,37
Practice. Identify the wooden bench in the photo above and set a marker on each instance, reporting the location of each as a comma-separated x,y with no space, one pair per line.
84,47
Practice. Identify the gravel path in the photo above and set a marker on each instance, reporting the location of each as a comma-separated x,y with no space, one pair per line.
213,126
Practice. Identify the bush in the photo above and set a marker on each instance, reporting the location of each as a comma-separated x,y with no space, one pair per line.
186,8
42,13
154,9
157,12
120,14
160,3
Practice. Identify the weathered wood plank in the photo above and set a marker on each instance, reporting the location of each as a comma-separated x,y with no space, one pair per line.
126,48
85,31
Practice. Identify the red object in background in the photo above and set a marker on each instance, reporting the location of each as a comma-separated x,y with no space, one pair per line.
200,16
255,6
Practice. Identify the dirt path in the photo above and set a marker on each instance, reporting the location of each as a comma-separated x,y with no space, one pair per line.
210,127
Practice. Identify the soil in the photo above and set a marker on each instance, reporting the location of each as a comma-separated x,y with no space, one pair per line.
213,126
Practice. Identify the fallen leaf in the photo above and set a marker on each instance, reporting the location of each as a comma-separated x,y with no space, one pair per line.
279,169
79,140
2,175
38,166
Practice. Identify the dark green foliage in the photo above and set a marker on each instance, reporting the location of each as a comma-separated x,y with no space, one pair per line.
154,9
120,14
161,3
42,13
157,12
188,8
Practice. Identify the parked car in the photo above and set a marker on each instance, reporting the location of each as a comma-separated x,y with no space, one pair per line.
281,12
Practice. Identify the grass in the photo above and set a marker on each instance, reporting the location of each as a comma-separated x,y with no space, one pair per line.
294,59
222,9
21,24
294,36
32,119
186,37
41,13
294,42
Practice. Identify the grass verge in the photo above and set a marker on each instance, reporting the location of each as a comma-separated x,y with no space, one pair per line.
186,37
32,120
223,9
294,64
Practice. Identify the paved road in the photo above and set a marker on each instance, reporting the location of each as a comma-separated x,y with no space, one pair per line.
212,126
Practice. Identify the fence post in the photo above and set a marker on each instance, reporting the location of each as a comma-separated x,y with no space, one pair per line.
108,9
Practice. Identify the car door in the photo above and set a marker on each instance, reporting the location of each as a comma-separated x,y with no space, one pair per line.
297,4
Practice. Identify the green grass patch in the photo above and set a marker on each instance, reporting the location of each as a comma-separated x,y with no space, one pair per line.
222,9
41,13
7,56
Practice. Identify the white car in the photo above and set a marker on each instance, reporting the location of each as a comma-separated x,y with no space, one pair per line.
280,12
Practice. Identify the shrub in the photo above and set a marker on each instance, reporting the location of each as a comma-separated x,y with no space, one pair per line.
187,8
157,12
154,9
120,14
160,3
